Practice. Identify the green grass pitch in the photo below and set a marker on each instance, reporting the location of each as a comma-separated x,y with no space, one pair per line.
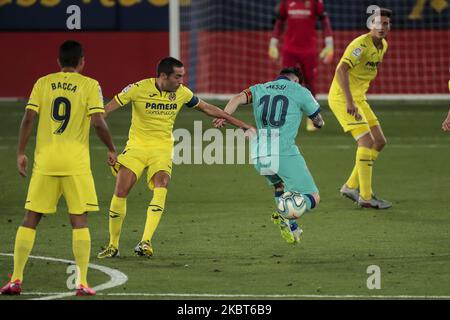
216,236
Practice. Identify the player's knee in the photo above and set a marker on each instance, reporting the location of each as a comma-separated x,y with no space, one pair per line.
366,141
380,143
121,192
313,199
31,219
161,179
316,198
78,221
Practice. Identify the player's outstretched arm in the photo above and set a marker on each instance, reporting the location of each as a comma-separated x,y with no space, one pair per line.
216,112
24,135
112,106
102,131
230,108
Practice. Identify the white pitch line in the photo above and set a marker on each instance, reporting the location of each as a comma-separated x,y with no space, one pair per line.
117,278
268,296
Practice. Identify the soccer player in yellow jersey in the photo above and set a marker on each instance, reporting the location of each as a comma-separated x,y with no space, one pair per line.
155,103
347,99
67,103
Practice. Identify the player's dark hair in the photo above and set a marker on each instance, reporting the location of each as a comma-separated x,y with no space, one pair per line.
167,64
384,12
70,53
292,70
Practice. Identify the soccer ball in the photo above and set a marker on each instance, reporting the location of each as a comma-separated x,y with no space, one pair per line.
291,205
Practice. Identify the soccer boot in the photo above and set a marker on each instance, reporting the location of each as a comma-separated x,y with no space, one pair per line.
144,249
85,291
296,231
352,194
284,226
108,252
12,288
374,203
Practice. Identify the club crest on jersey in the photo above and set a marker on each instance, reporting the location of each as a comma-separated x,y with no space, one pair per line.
357,52
307,4
172,96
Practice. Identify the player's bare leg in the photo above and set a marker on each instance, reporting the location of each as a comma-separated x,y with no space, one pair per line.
379,140
23,245
155,210
125,181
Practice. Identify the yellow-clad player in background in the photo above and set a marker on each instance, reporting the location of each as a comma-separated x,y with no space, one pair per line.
156,103
347,99
67,104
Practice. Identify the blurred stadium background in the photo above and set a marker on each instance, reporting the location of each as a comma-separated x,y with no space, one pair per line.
222,42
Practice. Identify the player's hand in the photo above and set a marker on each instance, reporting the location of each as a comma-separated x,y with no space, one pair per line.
219,122
327,53
446,124
22,163
274,53
353,110
112,158
250,133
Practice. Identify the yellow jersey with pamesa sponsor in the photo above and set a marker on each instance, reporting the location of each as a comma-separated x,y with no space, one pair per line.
363,58
64,102
153,112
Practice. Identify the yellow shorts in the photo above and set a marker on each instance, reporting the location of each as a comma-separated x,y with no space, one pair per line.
78,191
348,122
153,158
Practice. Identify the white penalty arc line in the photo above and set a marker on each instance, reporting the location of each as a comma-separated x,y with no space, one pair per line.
117,278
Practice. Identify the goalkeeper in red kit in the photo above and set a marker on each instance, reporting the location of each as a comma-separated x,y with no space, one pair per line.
296,25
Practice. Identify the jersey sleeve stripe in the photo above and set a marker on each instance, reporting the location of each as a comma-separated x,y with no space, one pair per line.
34,105
193,103
118,99
248,94
314,114
348,60
96,108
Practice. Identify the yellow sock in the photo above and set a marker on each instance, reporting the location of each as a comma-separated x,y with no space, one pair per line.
353,180
22,248
364,162
375,154
81,246
154,212
117,213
